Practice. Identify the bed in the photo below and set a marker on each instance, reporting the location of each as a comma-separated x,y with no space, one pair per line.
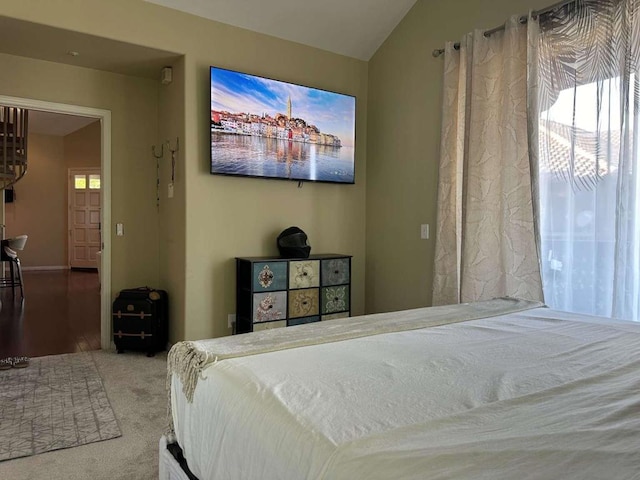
501,389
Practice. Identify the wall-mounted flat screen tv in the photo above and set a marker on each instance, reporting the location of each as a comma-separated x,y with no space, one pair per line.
268,128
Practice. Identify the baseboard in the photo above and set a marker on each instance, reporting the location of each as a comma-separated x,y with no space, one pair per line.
47,267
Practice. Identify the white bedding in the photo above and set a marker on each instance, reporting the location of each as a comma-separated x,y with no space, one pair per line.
534,394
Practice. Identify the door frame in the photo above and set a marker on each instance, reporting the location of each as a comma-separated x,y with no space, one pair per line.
70,190
105,216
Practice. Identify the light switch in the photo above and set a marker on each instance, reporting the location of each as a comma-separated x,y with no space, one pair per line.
424,231
119,229
170,190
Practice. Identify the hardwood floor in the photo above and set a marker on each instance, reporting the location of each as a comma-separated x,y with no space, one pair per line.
60,314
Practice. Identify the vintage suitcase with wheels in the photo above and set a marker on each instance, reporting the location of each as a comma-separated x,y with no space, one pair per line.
140,320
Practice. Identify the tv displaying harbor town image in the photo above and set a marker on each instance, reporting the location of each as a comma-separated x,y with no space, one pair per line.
268,128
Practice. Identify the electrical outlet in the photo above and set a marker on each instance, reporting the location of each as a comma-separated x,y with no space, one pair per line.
231,319
119,229
424,231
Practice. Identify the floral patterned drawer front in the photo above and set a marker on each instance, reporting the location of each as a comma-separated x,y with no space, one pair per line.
269,325
335,271
300,321
304,274
303,303
269,306
269,276
335,299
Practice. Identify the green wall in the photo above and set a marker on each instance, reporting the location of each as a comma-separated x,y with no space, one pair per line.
193,238
405,96
196,235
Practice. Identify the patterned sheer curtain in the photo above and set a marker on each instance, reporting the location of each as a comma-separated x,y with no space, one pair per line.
485,244
585,101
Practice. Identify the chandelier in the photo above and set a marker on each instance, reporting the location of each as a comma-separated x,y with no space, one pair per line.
13,145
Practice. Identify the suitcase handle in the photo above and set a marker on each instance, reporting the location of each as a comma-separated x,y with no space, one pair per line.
153,293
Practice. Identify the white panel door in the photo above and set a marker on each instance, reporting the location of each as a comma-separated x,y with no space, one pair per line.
84,217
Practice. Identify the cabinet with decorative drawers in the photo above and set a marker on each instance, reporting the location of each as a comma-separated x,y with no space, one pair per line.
282,292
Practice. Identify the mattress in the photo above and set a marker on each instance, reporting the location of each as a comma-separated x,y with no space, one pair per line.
530,394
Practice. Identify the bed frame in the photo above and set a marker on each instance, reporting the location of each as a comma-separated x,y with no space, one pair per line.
172,464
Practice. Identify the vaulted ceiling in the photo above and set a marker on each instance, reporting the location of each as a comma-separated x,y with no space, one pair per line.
355,28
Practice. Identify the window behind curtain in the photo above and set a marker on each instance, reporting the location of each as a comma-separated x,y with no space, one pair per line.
587,99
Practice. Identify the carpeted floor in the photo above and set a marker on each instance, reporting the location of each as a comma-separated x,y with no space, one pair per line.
57,402
135,387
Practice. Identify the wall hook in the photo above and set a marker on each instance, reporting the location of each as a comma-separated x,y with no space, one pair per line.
173,157
157,157
153,151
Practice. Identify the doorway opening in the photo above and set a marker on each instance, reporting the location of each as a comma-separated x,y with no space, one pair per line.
104,118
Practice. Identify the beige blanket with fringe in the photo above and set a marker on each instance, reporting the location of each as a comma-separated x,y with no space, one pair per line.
187,360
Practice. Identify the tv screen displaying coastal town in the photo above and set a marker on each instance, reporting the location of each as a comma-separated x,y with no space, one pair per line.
268,128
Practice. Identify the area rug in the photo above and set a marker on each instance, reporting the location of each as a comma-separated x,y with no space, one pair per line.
56,402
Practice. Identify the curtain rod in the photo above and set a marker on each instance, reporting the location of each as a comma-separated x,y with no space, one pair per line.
523,19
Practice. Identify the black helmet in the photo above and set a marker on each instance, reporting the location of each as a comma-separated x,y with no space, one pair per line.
292,243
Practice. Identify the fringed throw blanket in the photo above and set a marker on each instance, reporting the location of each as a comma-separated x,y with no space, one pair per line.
187,360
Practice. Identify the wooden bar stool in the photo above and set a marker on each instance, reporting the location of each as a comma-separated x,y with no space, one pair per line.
8,253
